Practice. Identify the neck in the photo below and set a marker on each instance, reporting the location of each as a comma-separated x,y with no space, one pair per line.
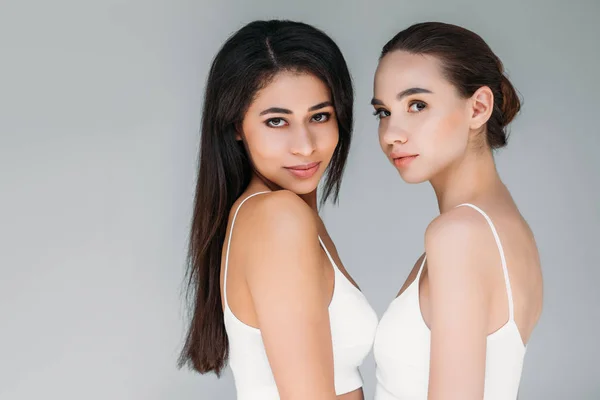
311,199
467,180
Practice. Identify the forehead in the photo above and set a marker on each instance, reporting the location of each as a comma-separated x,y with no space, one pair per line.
292,90
399,70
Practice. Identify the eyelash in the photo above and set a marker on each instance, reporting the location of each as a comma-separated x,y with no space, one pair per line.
378,112
326,115
412,103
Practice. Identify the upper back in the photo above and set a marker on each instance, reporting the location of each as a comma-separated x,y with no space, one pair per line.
516,243
508,270
512,267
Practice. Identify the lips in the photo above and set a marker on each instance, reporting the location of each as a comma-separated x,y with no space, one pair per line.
401,154
304,170
304,167
402,159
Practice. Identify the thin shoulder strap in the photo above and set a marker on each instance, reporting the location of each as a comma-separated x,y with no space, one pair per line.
335,267
325,248
229,244
421,269
502,258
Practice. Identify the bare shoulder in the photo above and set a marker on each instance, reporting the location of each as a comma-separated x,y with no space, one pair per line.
271,214
458,243
274,228
461,227
283,270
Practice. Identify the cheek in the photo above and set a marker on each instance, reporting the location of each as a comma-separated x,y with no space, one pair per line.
442,140
265,145
449,134
327,139
458,132
380,133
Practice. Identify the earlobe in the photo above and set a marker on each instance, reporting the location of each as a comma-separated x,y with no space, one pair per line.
238,135
482,103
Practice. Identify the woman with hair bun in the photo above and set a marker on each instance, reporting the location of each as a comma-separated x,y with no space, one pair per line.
459,326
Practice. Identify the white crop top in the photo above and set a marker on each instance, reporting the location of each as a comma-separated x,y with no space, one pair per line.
402,347
353,324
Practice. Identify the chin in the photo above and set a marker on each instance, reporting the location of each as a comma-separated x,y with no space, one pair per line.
413,177
299,186
304,187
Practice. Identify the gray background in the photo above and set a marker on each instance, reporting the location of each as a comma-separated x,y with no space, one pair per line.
99,113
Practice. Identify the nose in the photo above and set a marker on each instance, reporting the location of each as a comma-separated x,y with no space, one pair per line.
391,134
303,142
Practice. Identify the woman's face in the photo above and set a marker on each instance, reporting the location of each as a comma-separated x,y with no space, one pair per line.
291,131
424,124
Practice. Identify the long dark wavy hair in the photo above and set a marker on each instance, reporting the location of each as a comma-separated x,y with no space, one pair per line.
247,62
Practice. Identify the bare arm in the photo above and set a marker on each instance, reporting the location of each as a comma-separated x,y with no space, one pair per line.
457,253
285,275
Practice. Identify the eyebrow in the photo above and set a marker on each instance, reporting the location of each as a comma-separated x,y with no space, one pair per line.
402,94
279,110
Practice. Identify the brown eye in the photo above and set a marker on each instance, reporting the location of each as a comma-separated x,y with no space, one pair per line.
322,117
416,106
381,113
276,122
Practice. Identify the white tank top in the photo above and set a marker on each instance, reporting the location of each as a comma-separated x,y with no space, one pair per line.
402,347
353,324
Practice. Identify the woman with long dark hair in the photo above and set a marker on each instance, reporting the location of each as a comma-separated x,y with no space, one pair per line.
459,327
269,292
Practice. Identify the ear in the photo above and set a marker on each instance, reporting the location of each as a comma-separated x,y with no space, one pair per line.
238,134
482,105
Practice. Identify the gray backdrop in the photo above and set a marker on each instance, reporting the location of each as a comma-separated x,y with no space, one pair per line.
99,116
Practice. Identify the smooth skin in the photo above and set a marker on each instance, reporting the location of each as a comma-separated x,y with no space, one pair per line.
283,282
462,290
